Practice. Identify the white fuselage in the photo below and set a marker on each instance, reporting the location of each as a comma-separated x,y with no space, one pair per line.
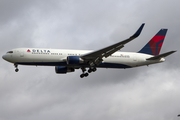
58,57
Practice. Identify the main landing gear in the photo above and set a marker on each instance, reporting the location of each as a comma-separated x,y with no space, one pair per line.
16,66
92,69
85,74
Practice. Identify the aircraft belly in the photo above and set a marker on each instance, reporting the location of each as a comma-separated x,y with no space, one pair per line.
116,63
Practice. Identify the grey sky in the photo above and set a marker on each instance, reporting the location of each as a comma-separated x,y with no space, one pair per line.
109,94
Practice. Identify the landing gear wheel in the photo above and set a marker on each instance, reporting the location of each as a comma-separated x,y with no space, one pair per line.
86,74
89,71
82,75
16,70
94,69
16,66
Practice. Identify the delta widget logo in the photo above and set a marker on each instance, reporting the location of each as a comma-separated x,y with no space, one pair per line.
28,50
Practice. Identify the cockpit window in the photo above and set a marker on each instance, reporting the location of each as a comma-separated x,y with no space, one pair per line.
10,52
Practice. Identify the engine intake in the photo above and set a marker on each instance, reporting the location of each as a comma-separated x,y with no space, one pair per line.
63,70
74,60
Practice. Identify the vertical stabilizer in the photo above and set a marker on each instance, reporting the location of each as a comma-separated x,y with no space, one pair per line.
153,47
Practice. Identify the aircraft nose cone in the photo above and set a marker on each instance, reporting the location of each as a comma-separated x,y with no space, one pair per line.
3,57
7,58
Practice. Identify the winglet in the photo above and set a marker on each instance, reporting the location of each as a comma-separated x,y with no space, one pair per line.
138,32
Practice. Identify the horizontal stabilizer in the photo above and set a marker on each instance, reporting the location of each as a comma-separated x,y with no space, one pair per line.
161,56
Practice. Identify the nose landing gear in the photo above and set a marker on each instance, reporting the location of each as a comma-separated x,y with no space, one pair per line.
16,66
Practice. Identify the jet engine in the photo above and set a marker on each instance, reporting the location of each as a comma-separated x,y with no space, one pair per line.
74,60
63,70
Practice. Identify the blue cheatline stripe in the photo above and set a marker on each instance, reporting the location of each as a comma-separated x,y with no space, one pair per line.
102,65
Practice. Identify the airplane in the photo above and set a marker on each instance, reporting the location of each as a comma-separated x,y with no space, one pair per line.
66,60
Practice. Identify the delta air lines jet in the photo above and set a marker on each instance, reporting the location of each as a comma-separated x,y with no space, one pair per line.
66,61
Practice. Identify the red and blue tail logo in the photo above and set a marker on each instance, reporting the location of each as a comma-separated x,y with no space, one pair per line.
153,47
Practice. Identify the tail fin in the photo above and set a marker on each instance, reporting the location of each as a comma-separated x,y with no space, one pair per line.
153,47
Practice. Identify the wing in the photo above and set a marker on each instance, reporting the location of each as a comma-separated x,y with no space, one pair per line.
96,56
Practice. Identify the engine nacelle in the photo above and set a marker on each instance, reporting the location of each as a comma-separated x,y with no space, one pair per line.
63,70
74,60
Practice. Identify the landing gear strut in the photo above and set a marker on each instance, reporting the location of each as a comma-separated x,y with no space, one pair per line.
16,66
84,74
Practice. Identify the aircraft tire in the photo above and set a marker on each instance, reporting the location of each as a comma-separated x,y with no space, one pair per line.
94,69
89,71
86,74
16,70
82,75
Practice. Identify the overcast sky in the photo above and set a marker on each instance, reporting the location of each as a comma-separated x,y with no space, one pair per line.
38,93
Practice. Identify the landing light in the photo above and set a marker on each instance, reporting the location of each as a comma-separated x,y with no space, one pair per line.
162,60
3,57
